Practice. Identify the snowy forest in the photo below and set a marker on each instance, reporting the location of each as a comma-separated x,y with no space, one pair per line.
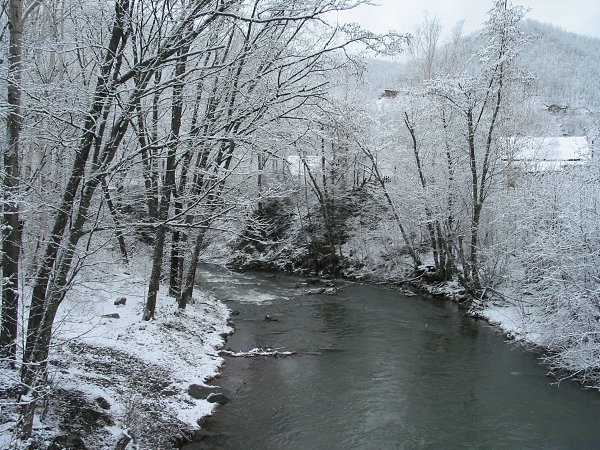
151,137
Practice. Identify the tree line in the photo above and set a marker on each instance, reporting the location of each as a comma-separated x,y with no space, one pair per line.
116,104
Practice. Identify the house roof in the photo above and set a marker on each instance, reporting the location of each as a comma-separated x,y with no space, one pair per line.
550,153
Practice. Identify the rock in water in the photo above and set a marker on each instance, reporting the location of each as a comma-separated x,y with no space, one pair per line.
200,392
219,398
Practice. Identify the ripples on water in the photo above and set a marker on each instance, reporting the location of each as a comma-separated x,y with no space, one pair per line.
377,370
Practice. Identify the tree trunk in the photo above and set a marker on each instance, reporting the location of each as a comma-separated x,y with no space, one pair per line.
476,206
179,238
430,221
168,186
115,215
157,255
11,242
190,279
176,267
51,277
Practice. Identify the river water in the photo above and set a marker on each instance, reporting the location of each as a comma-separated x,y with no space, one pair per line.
376,369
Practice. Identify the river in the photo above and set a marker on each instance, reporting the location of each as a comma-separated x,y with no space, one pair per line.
376,369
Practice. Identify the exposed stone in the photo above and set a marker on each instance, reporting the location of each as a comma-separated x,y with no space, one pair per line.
200,392
219,398
103,403
314,291
120,301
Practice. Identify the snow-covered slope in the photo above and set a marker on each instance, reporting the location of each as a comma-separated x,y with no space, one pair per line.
113,374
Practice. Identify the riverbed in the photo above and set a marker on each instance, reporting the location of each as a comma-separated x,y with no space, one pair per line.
377,369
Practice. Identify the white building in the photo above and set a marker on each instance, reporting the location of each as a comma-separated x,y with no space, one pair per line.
545,154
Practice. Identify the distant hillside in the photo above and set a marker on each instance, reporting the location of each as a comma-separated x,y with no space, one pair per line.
382,75
566,66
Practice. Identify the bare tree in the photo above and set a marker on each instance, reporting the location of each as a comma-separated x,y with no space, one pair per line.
11,227
423,47
98,145
480,101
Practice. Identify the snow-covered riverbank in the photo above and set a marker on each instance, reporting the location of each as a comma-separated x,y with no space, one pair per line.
114,375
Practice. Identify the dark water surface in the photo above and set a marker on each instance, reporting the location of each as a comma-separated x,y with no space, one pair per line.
378,370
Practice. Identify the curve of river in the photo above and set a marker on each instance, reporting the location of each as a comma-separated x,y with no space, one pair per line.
376,369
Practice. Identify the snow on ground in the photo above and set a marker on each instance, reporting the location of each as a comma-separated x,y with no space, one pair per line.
112,373
508,319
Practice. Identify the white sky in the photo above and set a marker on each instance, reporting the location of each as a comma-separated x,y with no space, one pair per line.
579,16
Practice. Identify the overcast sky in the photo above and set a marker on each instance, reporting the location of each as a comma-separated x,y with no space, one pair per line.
579,16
